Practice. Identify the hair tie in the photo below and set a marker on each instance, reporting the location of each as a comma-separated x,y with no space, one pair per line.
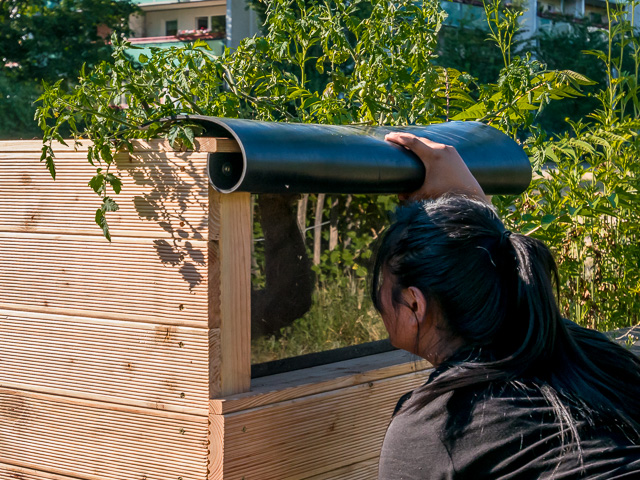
504,238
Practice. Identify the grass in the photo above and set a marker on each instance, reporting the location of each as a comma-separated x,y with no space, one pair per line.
341,315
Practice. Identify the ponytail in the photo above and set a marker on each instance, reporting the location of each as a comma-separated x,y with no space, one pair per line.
495,291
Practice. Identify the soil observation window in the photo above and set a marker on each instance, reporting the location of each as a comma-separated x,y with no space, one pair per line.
310,295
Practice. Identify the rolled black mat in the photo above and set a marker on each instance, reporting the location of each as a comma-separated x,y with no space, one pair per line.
306,158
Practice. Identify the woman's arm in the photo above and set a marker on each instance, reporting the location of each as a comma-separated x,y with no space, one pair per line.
445,171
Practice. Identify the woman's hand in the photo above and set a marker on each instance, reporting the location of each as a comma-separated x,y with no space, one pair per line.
445,171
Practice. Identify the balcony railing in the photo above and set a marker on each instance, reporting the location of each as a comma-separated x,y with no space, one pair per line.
216,42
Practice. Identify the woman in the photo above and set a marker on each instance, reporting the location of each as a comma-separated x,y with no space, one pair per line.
517,392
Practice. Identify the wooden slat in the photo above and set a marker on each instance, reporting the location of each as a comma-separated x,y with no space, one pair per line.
309,436
216,452
163,195
216,145
364,470
152,366
214,273
235,292
18,472
148,318
157,145
95,441
202,144
35,146
320,379
148,277
215,385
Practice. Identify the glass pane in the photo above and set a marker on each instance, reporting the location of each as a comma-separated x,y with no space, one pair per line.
310,292
219,25
202,23
171,28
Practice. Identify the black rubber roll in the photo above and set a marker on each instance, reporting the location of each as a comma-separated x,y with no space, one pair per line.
307,158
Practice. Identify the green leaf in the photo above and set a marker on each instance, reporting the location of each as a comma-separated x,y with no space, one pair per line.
551,154
613,200
360,271
199,43
547,220
476,111
307,102
97,183
114,181
574,211
578,77
109,205
190,136
101,221
582,144
47,156
105,152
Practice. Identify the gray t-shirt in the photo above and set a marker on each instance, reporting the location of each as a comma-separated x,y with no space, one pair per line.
507,432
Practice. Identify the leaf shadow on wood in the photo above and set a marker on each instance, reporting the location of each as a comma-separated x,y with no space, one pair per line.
176,199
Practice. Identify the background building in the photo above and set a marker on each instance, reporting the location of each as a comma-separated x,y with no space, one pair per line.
221,23
539,14
165,23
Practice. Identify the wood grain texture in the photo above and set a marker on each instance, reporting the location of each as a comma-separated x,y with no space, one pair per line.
107,358
216,447
323,378
235,292
90,440
153,366
19,472
364,470
208,144
311,436
214,273
151,278
164,194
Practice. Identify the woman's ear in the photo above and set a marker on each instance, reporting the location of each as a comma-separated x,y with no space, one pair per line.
417,302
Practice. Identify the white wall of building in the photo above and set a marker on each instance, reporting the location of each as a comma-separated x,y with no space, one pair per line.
155,21
241,22
529,19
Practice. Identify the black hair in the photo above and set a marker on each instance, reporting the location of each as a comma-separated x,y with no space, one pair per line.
495,292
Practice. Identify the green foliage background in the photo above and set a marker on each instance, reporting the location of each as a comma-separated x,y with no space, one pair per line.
375,62
49,40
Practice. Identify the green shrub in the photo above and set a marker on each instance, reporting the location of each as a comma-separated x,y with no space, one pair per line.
376,64
341,315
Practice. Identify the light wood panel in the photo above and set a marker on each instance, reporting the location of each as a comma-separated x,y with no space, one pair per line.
154,366
18,472
149,277
309,436
208,144
92,440
163,195
235,292
365,470
109,356
323,378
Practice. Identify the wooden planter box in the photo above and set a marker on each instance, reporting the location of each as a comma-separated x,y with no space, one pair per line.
131,360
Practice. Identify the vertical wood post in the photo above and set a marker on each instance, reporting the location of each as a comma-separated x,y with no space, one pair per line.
235,293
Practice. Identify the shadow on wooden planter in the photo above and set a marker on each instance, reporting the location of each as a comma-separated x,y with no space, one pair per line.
131,359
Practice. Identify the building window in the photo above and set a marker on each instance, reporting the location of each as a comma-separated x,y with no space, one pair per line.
171,28
219,25
202,23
